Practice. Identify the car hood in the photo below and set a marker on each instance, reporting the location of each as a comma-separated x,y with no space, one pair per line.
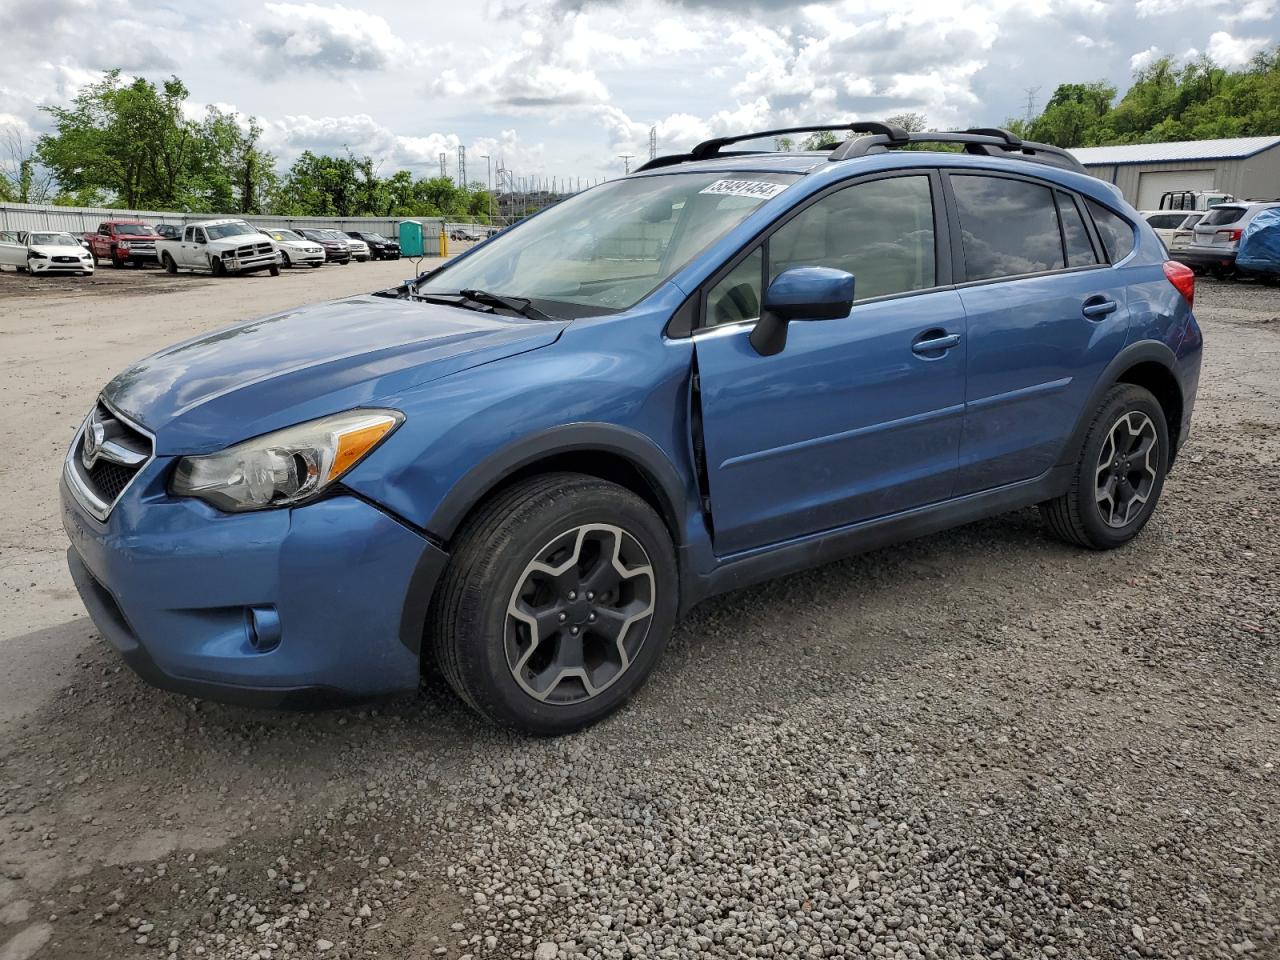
285,368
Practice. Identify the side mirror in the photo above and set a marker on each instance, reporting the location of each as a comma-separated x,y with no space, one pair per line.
801,293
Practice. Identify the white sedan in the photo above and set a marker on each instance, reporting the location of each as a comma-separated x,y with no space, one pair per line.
295,250
359,249
40,252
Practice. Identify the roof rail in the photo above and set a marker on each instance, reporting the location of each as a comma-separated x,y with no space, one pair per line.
887,133
982,141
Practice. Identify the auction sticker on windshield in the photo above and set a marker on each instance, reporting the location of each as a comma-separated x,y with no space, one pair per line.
760,189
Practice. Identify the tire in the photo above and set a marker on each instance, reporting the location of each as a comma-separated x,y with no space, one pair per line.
1107,505
116,261
274,270
316,266
284,260
216,267
168,264
492,657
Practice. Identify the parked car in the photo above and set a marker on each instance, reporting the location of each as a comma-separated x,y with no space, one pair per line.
169,231
380,247
1258,253
123,242
44,251
220,247
296,250
467,234
1217,236
359,249
522,466
1185,234
1166,223
336,250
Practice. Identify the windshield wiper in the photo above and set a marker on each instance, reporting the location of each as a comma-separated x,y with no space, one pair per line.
521,305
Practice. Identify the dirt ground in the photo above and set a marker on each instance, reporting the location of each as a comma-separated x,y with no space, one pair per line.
983,743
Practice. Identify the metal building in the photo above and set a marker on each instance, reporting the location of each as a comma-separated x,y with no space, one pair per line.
1245,167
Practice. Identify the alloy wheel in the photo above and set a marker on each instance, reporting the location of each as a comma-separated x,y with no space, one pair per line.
579,614
1126,471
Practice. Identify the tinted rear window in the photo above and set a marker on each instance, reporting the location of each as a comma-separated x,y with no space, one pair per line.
1166,221
1220,215
1008,227
1116,232
1080,251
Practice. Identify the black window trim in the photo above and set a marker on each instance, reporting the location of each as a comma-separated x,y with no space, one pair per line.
960,269
1106,254
1090,230
691,317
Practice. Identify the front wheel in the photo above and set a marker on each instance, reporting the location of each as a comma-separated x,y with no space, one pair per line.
284,260
1119,474
557,603
274,270
168,263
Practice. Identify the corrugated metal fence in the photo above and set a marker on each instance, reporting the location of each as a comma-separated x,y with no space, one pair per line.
78,220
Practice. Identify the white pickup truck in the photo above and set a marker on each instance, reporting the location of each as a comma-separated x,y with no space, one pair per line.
220,247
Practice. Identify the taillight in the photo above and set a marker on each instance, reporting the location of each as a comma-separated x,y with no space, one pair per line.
1229,236
1183,279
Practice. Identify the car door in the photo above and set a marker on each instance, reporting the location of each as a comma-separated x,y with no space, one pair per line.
1045,316
853,419
13,252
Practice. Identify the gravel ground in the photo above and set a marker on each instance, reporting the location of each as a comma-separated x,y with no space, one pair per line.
983,743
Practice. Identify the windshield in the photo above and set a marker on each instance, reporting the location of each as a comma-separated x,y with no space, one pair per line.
331,234
221,230
133,230
285,235
54,240
608,248
376,237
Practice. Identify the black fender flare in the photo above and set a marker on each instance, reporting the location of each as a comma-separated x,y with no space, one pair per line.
608,438
1144,351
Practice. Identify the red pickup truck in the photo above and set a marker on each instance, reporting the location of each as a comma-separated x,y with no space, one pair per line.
123,241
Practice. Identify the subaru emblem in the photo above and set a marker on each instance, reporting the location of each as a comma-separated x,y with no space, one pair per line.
94,436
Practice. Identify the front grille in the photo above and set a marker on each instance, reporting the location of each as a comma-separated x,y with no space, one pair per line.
253,250
66,259
110,479
105,457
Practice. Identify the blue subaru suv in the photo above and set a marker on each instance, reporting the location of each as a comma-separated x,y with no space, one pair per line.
520,468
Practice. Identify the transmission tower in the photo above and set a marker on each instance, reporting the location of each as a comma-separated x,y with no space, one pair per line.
626,161
444,164
653,142
462,166
1031,103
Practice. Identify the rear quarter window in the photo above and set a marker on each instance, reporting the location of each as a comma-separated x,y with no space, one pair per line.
1115,231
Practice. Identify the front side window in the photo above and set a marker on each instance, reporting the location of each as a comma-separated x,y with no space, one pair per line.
881,232
607,248
1116,232
737,296
1008,227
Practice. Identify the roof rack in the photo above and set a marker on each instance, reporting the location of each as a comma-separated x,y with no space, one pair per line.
887,133
982,141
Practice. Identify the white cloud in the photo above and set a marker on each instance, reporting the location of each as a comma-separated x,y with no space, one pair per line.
332,38
1144,58
1229,51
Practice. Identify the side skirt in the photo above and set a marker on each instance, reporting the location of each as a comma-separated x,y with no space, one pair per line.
746,569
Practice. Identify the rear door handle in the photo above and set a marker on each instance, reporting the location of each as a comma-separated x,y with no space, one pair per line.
935,344
1097,307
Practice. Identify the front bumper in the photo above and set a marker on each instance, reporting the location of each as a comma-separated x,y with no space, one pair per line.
49,266
279,607
249,264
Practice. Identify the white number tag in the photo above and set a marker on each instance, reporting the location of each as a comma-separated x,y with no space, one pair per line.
757,189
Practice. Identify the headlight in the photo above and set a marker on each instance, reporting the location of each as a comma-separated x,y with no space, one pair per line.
32,255
123,244
287,467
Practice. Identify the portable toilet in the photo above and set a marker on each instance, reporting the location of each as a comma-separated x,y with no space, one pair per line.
411,239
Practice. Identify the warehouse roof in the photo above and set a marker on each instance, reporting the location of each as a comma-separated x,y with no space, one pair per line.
1233,148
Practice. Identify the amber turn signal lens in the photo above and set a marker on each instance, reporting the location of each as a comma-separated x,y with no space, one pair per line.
355,443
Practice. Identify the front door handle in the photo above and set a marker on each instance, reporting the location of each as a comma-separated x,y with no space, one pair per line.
936,343
1097,307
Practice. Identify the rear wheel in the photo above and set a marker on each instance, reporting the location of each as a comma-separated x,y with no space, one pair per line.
1119,474
557,603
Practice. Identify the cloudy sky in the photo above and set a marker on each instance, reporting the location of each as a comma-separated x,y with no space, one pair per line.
561,87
